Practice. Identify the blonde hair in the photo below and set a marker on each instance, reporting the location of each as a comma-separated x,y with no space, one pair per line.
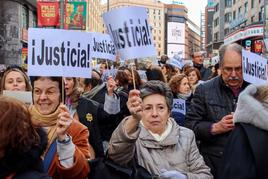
8,70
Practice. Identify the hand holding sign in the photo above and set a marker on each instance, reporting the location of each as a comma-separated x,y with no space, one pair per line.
64,122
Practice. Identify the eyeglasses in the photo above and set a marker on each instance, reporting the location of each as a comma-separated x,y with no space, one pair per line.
229,70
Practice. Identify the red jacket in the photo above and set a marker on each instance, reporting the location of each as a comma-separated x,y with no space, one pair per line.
83,151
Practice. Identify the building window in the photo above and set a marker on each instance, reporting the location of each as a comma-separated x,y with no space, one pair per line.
261,14
226,31
234,2
216,22
239,10
246,7
25,17
252,4
227,17
217,7
234,15
228,3
252,18
216,36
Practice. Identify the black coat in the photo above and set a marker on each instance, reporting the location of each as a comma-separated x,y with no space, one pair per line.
26,165
211,101
245,155
89,112
204,72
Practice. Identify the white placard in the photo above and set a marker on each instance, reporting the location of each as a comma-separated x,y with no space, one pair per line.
103,46
254,68
179,105
57,52
130,31
24,96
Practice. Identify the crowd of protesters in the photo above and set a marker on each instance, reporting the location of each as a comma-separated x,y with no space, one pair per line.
126,118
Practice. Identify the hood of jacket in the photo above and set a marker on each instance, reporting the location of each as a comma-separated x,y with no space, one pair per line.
250,110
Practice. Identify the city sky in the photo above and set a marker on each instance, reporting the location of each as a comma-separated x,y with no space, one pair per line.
194,8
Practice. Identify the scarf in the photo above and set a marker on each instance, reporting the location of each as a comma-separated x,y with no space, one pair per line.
48,122
164,135
184,96
94,91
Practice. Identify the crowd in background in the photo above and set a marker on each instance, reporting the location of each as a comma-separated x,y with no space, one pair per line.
126,117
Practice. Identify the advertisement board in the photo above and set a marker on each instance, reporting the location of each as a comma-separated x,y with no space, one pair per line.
176,32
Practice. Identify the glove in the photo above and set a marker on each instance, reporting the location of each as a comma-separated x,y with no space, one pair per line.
172,174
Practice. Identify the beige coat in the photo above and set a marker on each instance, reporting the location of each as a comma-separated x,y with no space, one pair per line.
177,152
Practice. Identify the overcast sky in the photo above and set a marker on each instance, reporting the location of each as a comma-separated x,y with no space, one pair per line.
194,8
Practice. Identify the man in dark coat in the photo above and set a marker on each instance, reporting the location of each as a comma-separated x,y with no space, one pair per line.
210,114
198,60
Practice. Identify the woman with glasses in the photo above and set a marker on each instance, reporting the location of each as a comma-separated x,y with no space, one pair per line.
68,148
152,138
15,79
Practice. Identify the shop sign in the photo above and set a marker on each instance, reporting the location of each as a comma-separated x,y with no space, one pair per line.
244,34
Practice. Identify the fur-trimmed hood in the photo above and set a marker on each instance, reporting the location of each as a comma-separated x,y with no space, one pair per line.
31,160
250,110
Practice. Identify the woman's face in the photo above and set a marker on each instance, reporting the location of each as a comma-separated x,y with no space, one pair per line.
184,87
155,113
68,86
193,79
46,95
15,81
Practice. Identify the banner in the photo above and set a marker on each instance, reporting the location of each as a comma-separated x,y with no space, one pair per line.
179,106
130,31
24,62
48,14
56,52
75,15
254,68
103,46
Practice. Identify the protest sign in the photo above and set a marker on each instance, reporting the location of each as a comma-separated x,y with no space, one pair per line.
103,46
24,96
56,52
254,68
179,106
130,31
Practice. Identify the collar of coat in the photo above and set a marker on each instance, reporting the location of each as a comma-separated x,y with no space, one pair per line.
148,141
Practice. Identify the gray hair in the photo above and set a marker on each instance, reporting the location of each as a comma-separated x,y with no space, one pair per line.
233,47
157,87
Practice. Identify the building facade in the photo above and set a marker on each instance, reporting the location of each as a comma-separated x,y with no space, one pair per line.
236,21
246,27
16,17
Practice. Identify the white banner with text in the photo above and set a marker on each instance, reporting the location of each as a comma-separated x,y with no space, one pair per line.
130,31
